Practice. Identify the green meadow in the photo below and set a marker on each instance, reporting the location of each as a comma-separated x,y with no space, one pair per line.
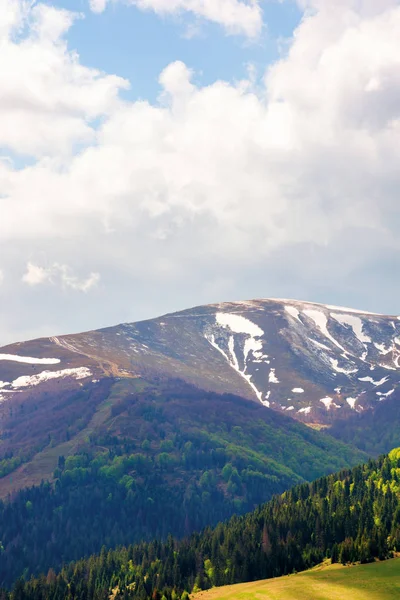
376,581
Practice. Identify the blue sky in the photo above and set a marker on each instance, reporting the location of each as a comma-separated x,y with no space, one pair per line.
138,45
162,154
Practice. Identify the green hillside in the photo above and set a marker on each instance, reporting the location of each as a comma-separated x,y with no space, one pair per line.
353,516
153,459
376,581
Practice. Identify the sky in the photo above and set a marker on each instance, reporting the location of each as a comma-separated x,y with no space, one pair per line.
162,154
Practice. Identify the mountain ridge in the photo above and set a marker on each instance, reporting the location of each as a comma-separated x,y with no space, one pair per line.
318,362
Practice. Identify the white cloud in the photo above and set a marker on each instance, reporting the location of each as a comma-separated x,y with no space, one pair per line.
35,275
47,97
242,17
59,274
288,189
69,280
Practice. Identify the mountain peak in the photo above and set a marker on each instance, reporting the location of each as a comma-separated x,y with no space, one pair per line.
313,361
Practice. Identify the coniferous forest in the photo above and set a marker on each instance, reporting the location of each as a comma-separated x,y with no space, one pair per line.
352,516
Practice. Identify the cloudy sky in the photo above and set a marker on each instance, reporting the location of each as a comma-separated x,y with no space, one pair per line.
160,154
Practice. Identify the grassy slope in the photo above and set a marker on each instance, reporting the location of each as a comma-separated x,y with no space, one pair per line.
377,581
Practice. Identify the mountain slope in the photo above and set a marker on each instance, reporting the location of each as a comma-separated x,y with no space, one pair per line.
352,516
317,363
374,432
155,459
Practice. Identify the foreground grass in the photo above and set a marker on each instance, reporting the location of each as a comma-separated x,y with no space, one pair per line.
377,581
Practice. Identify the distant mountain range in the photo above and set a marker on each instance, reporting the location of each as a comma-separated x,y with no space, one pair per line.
315,362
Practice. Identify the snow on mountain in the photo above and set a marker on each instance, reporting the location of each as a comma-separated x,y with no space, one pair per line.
29,360
316,362
32,380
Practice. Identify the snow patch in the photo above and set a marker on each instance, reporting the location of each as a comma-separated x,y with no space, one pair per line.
238,324
321,321
231,346
254,345
376,383
290,408
211,340
322,346
385,395
233,362
352,310
29,360
382,349
327,402
335,365
298,391
293,312
266,402
351,402
306,410
27,381
355,323
272,378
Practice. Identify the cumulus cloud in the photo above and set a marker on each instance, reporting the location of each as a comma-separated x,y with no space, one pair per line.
58,274
236,16
48,98
286,188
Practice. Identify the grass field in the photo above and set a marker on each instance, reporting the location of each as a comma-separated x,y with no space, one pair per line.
377,581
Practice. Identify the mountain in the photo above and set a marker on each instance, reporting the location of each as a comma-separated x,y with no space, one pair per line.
172,424
348,517
317,363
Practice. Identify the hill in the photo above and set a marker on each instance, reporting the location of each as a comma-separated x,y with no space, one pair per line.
152,460
376,581
352,516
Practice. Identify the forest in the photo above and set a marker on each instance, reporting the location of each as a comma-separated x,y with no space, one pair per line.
348,517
